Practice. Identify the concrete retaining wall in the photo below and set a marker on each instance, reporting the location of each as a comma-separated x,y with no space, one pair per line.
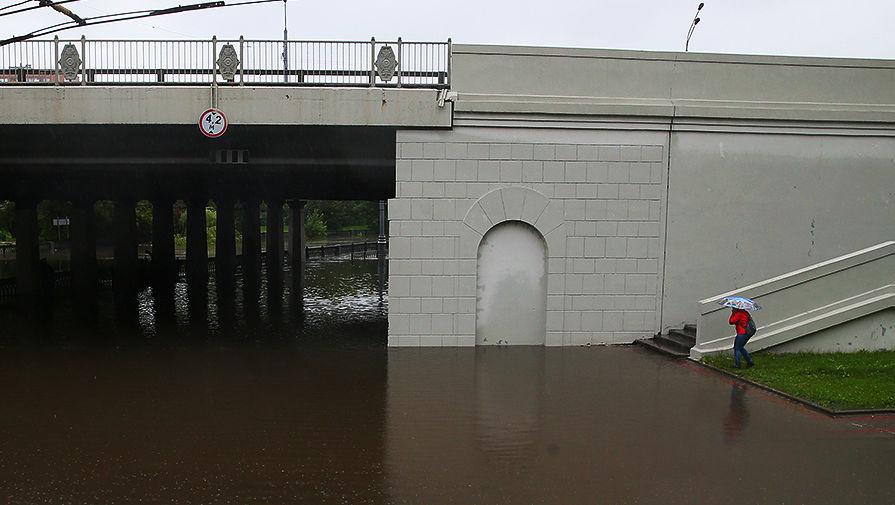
599,198
677,176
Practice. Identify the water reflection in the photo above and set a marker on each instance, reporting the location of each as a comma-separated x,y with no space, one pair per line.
322,412
195,397
737,417
509,391
337,291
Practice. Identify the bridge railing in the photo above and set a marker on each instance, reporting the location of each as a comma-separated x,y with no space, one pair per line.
227,62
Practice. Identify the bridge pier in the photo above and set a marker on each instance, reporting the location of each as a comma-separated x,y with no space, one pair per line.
196,243
83,252
197,259
225,249
251,257
164,269
124,279
297,248
274,253
28,283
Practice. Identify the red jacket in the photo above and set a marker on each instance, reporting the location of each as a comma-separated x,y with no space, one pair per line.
739,317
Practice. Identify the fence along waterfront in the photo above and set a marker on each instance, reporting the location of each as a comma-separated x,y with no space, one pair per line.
201,62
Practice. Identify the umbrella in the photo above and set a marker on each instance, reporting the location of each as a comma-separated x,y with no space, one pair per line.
738,302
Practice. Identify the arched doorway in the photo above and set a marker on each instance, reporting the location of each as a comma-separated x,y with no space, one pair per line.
511,286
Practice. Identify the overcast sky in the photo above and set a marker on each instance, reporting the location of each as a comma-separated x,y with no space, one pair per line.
856,28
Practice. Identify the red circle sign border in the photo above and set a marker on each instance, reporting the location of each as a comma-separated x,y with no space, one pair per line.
213,135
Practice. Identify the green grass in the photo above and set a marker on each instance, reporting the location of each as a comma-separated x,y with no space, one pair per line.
838,381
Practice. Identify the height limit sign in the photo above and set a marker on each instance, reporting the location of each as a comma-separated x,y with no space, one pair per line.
213,123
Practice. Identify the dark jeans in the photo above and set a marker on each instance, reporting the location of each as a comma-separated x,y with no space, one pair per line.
739,347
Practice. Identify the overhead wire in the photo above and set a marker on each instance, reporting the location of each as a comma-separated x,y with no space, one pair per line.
125,16
14,5
154,26
25,9
64,10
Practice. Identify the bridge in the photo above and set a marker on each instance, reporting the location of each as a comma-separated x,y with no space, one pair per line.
625,186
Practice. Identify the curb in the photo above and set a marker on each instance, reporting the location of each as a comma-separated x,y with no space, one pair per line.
796,399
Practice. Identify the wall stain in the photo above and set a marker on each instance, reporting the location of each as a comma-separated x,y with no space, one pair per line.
811,233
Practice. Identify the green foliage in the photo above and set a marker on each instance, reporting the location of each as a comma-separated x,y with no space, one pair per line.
837,381
179,217
179,241
343,215
47,210
315,225
7,219
211,217
144,221
212,233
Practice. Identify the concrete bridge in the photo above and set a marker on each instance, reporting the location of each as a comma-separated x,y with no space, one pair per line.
536,195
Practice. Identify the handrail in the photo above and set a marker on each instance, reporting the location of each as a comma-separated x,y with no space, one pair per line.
224,62
805,301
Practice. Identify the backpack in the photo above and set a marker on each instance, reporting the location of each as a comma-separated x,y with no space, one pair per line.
750,328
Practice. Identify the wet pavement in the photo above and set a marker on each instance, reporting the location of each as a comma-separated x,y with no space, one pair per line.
315,409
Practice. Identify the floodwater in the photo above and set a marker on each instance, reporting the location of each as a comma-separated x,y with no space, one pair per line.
311,407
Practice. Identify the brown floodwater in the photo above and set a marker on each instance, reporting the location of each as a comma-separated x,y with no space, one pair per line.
311,407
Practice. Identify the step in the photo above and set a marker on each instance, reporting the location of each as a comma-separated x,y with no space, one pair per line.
659,346
682,338
679,344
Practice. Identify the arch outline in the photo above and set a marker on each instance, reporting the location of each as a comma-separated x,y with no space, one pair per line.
519,203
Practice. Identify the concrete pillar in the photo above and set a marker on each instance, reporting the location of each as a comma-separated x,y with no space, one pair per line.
125,272
196,244
225,247
381,244
297,246
275,239
163,265
197,262
274,257
251,259
28,283
251,239
83,251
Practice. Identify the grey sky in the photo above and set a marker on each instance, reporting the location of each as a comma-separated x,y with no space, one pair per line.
857,28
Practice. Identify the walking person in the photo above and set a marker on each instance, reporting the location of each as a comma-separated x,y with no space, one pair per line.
740,318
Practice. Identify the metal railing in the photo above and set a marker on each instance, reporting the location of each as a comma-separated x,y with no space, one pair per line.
227,62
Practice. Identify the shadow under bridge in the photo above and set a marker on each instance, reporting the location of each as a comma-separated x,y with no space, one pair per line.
171,165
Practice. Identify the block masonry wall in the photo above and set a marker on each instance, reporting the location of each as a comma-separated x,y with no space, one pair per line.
600,206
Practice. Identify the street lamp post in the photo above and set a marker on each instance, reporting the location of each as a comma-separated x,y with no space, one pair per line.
693,26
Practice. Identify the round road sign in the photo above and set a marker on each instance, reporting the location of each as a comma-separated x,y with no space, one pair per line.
213,123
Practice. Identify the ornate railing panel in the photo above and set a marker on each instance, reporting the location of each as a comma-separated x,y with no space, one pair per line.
227,62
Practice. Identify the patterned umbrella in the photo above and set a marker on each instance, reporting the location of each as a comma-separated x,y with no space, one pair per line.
738,302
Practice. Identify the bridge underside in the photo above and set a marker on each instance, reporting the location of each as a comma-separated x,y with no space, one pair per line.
163,163
109,162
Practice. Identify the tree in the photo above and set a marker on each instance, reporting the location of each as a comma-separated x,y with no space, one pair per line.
346,214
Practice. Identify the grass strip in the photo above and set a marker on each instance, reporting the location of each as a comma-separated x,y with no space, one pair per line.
837,381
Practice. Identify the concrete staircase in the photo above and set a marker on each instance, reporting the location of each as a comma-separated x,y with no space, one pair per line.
676,343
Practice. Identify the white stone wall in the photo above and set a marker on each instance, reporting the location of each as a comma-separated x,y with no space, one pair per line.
603,205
